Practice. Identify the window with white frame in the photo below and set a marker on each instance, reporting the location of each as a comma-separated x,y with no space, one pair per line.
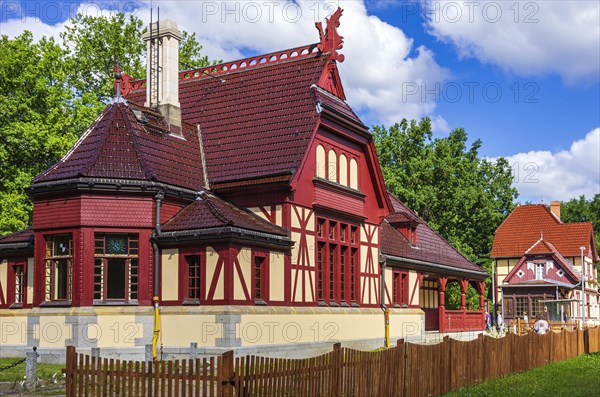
540,271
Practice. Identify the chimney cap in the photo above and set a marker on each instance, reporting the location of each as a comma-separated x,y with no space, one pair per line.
166,27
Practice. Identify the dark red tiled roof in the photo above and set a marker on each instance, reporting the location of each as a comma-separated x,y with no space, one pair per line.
255,121
118,146
527,223
22,236
429,247
211,212
334,103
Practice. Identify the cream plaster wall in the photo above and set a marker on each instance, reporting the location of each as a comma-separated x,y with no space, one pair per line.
30,280
13,329
276,276
4,278
117,330
170,274
257,329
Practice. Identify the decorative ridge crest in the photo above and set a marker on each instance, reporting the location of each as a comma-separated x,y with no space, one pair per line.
240,64
331,41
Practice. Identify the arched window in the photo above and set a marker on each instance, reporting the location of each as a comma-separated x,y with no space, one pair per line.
343,170
353,174
321,162
332,166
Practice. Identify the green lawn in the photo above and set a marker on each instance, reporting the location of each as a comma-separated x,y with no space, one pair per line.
577,377
44,371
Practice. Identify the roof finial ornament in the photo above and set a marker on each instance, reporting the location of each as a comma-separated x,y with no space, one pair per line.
331,41
122,83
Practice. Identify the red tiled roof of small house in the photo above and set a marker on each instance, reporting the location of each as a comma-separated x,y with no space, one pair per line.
527,223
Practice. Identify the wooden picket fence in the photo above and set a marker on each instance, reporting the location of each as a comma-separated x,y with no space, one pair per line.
405,370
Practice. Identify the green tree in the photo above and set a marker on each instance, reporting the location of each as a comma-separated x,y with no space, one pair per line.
583,210
50,93
460,195
37,123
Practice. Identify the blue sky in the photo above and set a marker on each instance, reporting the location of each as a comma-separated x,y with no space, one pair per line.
524,77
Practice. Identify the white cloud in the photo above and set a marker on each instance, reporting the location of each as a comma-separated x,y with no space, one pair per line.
543,175
379,56
528,38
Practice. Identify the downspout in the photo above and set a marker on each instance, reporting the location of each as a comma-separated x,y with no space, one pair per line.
155,298
386,311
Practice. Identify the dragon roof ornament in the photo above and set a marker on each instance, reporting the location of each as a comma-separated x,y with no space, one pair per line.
331,41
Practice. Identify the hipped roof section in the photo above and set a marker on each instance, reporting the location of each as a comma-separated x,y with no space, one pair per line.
209,212
121,145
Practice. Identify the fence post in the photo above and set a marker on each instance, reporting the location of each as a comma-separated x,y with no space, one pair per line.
227,374
71,367
31,369
193,350
401,365
336,369
586,341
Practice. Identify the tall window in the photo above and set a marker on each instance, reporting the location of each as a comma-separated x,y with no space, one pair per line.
539,271
332,272
116,266
400,289
19,271
321,271
59,267
259,279
193,277
337,262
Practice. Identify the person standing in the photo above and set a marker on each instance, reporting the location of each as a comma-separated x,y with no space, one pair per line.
546,315
488,321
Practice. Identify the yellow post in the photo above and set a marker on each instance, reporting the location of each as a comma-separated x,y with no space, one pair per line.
387,327
156,328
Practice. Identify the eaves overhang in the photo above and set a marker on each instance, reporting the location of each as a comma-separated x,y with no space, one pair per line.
12,249
108,185
416,264
226,234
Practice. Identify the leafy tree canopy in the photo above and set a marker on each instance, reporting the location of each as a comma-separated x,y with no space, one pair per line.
583,210
50,93
460,195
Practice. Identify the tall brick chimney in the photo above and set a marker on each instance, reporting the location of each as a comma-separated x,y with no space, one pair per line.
555,208
162,79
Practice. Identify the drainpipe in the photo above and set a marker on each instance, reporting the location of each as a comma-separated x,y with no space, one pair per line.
155,298
582,289
386,311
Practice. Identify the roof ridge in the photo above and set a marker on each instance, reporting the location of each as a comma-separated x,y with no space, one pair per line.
78,143
243,64
150,174
206,197
98,149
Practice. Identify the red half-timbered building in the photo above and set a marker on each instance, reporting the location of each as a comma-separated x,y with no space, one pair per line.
247,197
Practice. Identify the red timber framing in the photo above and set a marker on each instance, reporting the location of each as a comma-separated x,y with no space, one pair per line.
15,290
228,283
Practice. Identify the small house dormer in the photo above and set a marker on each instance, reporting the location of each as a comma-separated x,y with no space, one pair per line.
406,223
